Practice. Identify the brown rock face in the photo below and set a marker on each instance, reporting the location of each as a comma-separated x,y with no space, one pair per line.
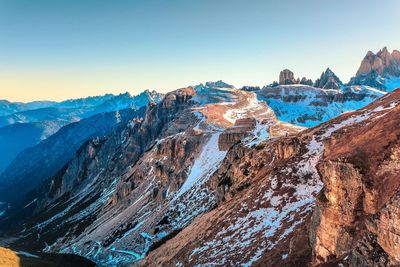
380,62
358,209
328,80
234,134
306,81
286,77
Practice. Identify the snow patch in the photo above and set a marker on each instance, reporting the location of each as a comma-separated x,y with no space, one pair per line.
205,165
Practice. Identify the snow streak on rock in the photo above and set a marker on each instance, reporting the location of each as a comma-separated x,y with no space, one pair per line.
205,165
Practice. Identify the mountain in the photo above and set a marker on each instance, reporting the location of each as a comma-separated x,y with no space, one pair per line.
327,196
286,77
380,70
141,183
37,163
214,92
194,182
328,80
36,121
17,137
7,107
210,170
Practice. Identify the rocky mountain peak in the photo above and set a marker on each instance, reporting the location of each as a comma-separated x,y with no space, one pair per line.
328,80
218,84
382,62
286,77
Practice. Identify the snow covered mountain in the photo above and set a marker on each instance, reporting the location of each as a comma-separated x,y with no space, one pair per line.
122,186
307,199
309,106
7,107
328,80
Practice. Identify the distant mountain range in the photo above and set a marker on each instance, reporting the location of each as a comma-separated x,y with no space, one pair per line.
26,124
73,110
37,163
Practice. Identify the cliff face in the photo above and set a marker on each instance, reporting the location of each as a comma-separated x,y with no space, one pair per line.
358,209
382,62
380,70
241,129
286,77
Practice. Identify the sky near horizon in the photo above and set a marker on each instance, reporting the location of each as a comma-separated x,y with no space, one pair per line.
54,50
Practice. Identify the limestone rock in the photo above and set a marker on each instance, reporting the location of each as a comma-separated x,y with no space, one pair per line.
286,77
328,80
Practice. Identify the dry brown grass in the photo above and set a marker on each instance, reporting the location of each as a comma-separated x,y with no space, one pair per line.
8,258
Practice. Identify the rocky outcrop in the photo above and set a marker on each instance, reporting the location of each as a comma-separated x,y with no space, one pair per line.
378,69
236,133
286,77
306,81
381,62
328,80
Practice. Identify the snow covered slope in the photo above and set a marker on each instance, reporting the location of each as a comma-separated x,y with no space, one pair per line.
309,106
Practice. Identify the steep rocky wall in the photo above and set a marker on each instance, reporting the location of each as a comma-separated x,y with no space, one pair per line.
358,209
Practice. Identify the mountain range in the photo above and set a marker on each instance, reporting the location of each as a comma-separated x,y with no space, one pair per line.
296,173
27,124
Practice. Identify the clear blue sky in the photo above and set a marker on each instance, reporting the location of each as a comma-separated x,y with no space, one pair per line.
61,49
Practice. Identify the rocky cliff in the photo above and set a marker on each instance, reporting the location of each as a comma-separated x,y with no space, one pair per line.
380,70
286,77
357,214
328,80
